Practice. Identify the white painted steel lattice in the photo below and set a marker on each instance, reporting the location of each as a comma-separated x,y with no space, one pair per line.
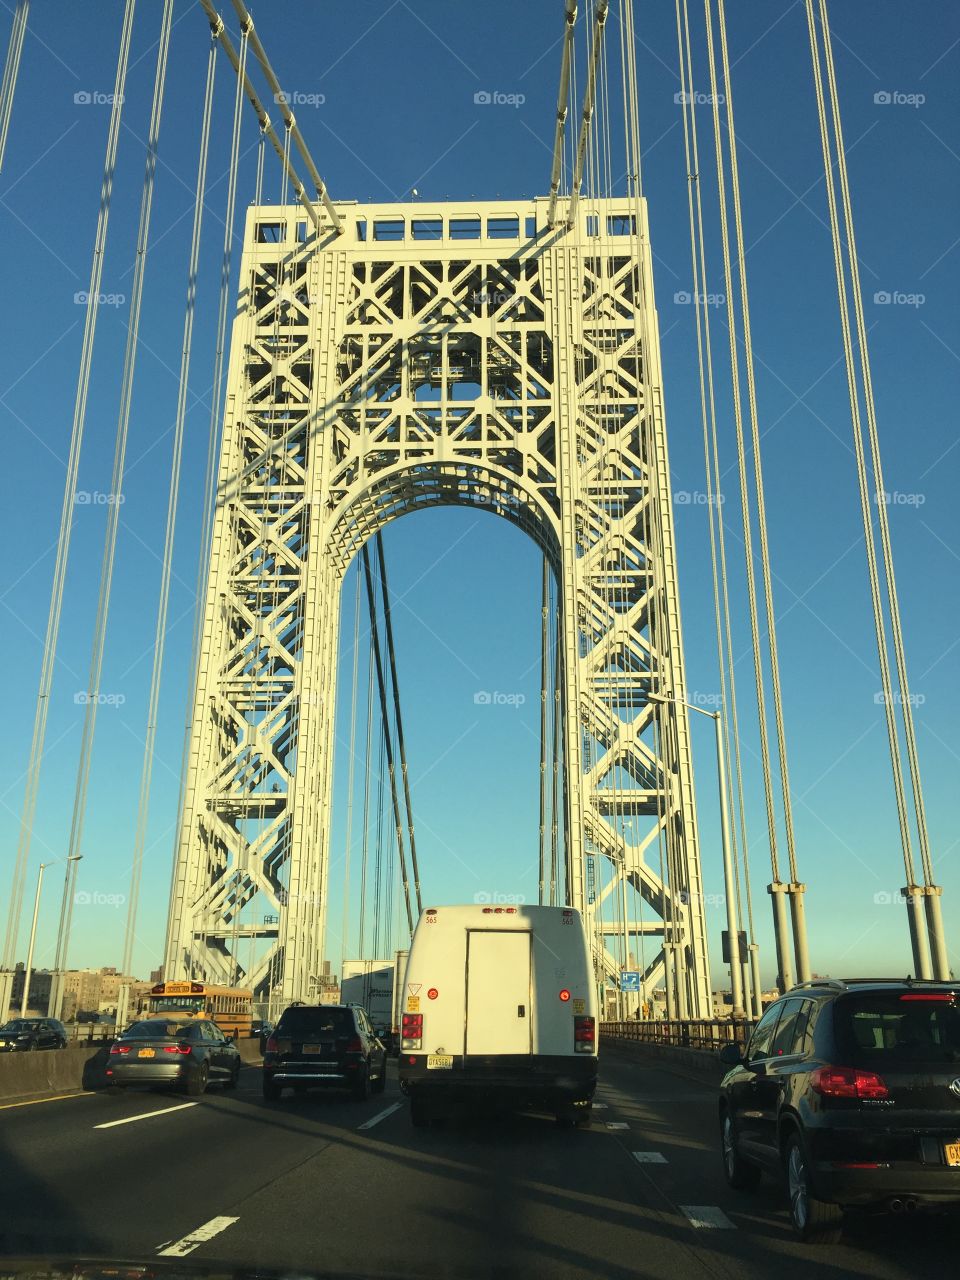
450,354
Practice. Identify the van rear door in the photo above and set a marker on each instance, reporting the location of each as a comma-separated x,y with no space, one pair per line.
498,992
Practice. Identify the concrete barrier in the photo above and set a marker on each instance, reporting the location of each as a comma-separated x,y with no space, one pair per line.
698,1064
49,1072
250,1054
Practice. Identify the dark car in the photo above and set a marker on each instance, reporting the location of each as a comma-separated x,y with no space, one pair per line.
851,1091
32,1033
188,1053
330,1045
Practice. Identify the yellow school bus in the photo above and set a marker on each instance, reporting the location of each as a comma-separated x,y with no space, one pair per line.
231,1008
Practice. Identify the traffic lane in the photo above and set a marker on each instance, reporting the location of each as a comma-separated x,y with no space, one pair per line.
133,1186
677,1117
482,1195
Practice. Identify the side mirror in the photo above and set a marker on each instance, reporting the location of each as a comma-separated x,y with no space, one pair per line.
731,1055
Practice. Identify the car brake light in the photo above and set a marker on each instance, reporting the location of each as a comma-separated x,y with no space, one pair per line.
354,1045
584,1035
941,997
120,1048
177,1048
271,1046
411,1031
848,1082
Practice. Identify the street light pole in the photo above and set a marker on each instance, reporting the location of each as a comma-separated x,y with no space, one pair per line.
33,937
55,1005
729,884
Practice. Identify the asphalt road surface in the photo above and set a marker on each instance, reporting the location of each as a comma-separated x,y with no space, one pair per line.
324,1183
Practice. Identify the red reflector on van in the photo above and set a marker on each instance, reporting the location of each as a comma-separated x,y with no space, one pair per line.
432,993
564,995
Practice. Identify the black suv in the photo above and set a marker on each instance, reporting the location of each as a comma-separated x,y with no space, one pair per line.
330,1045
852,1090
32,1033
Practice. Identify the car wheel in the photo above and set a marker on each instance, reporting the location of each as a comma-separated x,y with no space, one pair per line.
197,1083
419,1113
233,1079
381,1081
814,1221
361,1090
32,1047
741,1175
271,1091
583,1118
565,1119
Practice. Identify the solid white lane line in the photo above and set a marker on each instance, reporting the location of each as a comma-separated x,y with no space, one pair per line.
147,1115
181,1248
707,1215
381,1115
650,1157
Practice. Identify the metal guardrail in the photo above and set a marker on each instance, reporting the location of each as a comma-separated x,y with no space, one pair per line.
707,1033
90,1032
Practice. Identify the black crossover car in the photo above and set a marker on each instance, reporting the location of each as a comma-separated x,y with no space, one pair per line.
851,1090
328,1045
187,1053
32,1033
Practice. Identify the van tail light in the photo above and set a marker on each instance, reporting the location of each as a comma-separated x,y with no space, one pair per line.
411,1031
120,1048
271,1045
584,1035
847,1082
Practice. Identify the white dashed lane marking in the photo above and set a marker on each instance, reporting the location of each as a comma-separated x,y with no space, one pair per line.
147,1115
650,1157
181,1248
381,1115
617,1124
707,1215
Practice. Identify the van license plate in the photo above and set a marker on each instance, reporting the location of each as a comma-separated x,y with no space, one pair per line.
444,1062
951,1151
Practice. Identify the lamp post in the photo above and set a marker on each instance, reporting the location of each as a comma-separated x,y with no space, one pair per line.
55,1006
736,973
33,937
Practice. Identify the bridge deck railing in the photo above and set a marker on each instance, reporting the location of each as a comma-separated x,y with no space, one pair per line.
701,1033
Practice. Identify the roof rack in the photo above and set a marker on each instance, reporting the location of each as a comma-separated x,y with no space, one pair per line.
841,984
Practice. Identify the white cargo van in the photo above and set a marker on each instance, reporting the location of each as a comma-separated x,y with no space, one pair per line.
499,1001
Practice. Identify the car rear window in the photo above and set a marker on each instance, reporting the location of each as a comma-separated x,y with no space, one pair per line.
299,1022
891,1027
155,1031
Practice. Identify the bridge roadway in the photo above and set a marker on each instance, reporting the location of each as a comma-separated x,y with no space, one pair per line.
323,1183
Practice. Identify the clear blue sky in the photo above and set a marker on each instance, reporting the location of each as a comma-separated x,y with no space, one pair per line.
398,81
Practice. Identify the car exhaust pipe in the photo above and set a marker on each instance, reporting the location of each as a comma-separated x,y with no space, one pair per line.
896,1205
910,1205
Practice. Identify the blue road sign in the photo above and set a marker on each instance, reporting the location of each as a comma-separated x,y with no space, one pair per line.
629,980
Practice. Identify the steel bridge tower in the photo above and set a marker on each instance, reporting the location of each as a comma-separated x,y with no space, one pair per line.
435,354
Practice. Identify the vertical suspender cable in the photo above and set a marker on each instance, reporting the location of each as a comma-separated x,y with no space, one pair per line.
777,889
544,610
398,718
172,502
210,475
116,485
69,494
354,689
10,70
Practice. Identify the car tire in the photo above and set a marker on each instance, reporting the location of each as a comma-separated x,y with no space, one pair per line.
32,1047
584,1117
741,1174
565,1119
233,1079
419,1113
381,1081
814,1221
197,1083
361,1090
271,1091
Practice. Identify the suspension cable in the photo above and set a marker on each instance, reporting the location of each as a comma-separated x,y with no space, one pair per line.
570,19
351,766
69,497
11,69
116,487
172,503
544,609
589,94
